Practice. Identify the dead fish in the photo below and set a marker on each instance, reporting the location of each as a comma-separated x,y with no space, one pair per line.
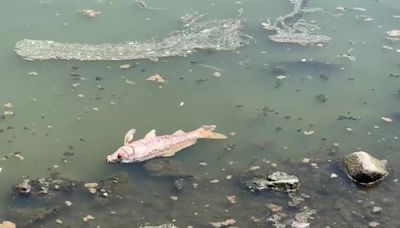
152,146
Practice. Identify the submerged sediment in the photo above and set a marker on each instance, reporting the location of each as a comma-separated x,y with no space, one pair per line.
222,34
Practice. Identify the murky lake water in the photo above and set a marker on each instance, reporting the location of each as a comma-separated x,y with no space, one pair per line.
268,118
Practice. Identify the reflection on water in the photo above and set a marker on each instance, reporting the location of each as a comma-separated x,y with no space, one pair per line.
61,118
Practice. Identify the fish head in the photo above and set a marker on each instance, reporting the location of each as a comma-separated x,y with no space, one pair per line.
122,155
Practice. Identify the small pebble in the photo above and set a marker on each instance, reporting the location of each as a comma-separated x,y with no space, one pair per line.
81,95
214,181
376,210
373,224
217,74
19,156
349,129
182,103
252,168
231,199
92,190
310,132
334,175
174,198
280,77
306,160
91,185
58,221
228,177
203,163
87,218
68,203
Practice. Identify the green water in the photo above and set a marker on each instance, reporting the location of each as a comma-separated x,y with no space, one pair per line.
50,119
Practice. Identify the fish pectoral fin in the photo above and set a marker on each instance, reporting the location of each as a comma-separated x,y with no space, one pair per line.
179,132
172,151
151,134
129,136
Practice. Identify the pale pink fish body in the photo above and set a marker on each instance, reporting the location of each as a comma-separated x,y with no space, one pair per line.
152,146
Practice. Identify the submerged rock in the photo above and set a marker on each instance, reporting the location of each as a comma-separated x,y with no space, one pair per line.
363,168
164,167
112,189
26,217
277,181
7,224
49,186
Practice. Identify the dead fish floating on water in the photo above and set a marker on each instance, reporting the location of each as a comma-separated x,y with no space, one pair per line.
152,146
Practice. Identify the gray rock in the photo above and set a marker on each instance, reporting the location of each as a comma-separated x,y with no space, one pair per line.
363,168
277,181
44,187
27,217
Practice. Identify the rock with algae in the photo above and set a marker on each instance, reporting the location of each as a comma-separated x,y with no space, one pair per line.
363,168
277,181
292,29
220,34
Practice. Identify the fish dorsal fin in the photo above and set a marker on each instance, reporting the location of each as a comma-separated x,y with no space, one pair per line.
129,136
151,134
179,132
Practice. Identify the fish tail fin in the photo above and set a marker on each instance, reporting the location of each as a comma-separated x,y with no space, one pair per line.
206,131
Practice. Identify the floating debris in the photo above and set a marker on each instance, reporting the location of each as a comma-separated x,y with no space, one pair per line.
220,35
8,113
33,73
387,119
8,105
19,156
393,35
280,77
90,13
142,4
125,66
129,82
292,29
191,18
157,78
225,223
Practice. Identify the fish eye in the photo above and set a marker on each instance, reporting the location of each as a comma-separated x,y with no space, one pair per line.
119,157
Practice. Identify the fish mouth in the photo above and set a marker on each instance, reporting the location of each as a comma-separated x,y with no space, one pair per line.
109,159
